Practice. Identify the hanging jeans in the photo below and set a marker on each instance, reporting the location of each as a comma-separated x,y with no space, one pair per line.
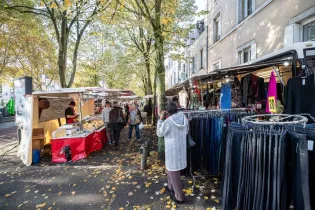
303,166
254,175
232,168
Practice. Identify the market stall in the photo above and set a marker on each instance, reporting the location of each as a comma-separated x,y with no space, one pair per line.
48,126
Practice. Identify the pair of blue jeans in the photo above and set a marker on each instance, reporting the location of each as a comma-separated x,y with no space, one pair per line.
137,131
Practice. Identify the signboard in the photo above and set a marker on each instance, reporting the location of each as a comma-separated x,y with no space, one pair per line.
51,109
272,104
22,86
25,147
6,92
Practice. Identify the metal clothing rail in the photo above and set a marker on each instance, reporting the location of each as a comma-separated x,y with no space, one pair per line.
217,110
274,119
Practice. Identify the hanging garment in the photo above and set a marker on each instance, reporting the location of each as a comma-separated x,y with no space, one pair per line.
226,96
272,95
236,93
246,83
183,96
300,95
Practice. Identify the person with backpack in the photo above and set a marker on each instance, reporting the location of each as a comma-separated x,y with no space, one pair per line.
134,119
116,122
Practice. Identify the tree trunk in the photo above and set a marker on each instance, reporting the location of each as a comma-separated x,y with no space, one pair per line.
147,66
62,54
154,100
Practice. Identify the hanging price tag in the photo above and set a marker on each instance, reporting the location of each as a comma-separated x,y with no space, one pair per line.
272,104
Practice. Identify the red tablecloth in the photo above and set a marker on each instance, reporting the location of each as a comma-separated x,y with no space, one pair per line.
80,147
102,135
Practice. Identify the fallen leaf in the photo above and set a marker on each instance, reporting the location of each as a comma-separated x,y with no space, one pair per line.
217,201
73,193
7,195
190,182
20,205
49,208
168,206
213,197
113,188
41,205
60,193
25,202
1,182
27,191
36,191
121,208
130,193
74,185
206,197
46,197
134,183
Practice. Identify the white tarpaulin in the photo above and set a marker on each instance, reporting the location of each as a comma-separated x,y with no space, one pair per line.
51,109
25,147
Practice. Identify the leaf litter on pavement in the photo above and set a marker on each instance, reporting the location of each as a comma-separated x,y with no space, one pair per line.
148,183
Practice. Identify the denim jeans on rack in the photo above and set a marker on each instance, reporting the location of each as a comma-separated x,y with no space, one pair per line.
232,165
303,166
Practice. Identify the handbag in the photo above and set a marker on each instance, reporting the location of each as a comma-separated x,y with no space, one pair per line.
190,141
120,119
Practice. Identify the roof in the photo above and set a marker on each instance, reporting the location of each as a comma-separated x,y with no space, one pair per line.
221,73
60,91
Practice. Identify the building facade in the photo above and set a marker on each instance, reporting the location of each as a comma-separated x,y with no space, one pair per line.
239,32
247,31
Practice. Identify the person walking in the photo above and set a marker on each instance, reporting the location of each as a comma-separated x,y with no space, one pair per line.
116,122
105,118
134,119
174,130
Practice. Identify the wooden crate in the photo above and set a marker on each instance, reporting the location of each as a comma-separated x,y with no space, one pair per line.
38,139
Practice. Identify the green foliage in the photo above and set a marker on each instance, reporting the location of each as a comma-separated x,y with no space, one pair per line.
25,48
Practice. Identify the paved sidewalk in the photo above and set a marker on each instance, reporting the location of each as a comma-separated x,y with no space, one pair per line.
107,179
7,133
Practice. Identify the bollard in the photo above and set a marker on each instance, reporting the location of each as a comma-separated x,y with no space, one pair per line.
144,155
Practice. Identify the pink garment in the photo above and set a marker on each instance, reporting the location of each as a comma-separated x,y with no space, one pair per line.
272,94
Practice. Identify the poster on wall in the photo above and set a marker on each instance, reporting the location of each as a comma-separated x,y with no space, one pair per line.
51,109
6,92
25,147
22,86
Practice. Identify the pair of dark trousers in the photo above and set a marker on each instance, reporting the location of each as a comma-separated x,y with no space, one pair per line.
231,173
301,167
175,183
116,135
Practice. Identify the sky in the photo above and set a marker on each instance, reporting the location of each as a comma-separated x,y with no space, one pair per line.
201,4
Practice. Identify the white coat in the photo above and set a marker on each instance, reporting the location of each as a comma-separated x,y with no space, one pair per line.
174,130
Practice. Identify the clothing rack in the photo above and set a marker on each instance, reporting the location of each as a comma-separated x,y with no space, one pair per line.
206,112
274,119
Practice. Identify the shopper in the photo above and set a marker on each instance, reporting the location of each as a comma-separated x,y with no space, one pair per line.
105,118
174,130
116,122
134,119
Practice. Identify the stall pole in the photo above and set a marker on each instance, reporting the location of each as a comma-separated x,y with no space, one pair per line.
80,108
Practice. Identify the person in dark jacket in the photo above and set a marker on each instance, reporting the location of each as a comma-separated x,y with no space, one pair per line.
116,122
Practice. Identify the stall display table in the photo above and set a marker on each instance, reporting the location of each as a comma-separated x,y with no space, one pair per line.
80,146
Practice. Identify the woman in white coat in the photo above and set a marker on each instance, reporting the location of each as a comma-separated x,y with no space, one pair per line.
174,130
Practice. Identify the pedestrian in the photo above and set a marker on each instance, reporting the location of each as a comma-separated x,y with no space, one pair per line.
126,110
148,109
134,119
105,118
174,130
116,122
